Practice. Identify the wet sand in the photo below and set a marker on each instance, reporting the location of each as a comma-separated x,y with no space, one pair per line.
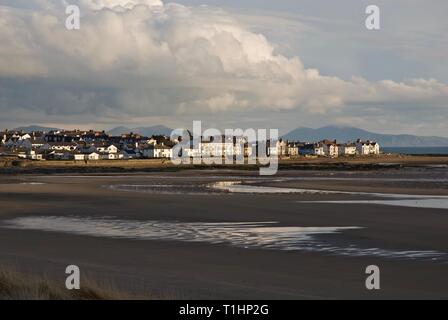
183,269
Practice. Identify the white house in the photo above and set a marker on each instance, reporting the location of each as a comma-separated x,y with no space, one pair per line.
162,151
318,150
24,136
221,146
330,148
192,152
250,149
367,147
111,156
217,149
30,154
93,156
293,150
280,149
3,136
347,149
151,141
239,146
107,149
79,156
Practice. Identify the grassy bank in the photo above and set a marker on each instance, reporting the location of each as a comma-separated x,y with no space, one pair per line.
157,165
17,286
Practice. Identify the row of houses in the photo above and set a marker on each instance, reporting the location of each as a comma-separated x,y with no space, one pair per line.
97,145
326,148
84,146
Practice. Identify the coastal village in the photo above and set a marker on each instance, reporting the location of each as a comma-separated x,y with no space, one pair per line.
78,145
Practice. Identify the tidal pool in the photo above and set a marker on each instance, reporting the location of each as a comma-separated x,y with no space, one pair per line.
249,235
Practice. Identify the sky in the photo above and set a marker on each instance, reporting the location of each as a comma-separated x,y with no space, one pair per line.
232,64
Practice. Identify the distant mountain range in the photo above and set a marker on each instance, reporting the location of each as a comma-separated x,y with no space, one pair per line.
145,131
35,128
342,134
345,134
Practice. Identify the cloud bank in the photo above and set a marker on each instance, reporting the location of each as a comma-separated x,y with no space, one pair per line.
135,58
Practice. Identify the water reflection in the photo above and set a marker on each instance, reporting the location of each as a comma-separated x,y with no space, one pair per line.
250,187
427,202
256,235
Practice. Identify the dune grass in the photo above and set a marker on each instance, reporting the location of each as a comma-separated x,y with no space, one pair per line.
17,286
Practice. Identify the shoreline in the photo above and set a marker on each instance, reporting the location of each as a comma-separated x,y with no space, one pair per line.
14,166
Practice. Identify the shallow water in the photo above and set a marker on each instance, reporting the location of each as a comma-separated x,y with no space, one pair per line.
248,187
160,188
237,187
32,183
434,203
250,235
211,188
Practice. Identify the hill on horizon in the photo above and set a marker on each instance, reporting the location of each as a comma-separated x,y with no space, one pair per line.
35,128
345,134
304,134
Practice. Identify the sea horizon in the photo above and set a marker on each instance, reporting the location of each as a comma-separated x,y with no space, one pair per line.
417,150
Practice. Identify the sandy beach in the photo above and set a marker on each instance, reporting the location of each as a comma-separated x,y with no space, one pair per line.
226,234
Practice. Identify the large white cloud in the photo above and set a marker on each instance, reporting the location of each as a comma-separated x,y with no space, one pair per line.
168,58
111,4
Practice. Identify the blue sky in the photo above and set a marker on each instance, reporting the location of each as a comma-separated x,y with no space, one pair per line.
252,63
